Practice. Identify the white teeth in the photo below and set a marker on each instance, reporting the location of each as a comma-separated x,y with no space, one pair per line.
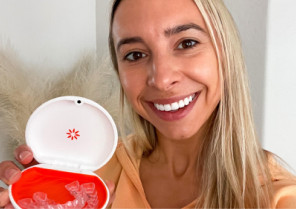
181,104
190,99
175,105
186,101
167,107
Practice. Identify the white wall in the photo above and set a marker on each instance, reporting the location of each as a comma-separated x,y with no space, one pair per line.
103,9
268,31
49,33
280,97
251,17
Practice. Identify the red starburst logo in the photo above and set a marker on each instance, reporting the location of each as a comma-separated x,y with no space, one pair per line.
73,134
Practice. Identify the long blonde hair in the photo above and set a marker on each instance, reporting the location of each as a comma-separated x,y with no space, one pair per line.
235,170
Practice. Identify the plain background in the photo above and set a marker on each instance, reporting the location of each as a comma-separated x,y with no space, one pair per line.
56,33
268,29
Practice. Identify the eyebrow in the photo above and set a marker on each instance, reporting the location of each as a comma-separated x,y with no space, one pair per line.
129,41
167,32
181,28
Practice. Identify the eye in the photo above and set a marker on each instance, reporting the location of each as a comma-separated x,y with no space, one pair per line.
187,44
134,56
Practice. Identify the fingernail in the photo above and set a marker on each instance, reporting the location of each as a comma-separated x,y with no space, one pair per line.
9,173
24,155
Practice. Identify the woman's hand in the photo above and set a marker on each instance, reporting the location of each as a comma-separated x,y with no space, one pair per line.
111,187
10,172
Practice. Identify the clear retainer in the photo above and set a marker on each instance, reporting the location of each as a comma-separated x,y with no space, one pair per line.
85,197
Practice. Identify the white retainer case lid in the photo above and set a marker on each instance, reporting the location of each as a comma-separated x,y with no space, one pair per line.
72,132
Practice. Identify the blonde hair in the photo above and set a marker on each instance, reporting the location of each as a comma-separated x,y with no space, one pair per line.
235,170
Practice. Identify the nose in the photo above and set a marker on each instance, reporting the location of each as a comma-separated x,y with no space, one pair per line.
164,73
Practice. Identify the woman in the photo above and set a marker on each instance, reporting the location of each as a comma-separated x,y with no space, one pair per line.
194,144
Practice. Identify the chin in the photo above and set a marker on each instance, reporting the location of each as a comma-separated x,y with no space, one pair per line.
178,134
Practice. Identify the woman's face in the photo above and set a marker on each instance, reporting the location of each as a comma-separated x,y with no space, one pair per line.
167,64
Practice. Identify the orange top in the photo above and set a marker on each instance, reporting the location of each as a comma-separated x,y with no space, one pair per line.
124,172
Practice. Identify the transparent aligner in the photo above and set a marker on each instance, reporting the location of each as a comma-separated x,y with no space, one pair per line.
85,197
40,199
74,188
56,206
90,194
26,203
92,204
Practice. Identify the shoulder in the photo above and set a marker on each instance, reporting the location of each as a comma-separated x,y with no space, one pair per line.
112,169
284,193
283,183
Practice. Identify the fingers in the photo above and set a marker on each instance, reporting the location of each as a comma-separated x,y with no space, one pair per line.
111,188
4,199
23,154
111,200
110,185
9,206
9,172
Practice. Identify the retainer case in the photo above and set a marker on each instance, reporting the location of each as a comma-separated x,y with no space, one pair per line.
71,137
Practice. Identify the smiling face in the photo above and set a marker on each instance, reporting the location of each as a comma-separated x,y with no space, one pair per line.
167,64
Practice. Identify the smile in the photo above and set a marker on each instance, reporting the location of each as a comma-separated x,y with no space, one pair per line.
175,105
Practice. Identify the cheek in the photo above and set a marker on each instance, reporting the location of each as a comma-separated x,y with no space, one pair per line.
125,82
132,84
213,84
212,81
206,72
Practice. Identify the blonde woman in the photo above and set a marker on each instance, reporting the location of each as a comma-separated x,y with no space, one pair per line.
193,144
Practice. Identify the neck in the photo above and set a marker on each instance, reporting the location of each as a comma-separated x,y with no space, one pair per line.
178,156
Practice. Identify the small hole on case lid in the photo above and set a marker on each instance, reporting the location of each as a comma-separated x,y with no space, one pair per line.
79,101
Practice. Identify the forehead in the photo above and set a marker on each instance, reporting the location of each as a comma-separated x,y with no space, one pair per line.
144,16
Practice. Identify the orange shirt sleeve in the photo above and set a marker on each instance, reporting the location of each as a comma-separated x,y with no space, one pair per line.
285,193
111,171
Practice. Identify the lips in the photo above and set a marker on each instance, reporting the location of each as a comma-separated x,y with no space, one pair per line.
174,109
